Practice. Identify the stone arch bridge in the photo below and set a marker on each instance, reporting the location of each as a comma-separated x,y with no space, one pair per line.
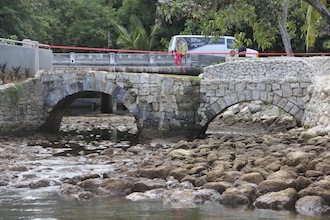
161,104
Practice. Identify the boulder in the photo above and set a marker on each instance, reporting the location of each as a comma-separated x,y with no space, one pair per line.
218,186
311,205
318,188
179,198
116,187
254,177
179,173
242,194
277,181
150,194
143,185
156,172
284,199
90,185
39,184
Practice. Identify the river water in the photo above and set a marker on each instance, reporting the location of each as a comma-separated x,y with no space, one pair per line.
21,204
45,203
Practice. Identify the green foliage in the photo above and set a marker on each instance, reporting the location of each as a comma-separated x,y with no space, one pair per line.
136,37
14,93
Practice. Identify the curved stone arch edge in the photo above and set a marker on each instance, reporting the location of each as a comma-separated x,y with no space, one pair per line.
220,106
56,99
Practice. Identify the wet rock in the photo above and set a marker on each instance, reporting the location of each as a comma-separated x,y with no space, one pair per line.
236,196
39,184
18,168
214,174
86,196
179,173
150,194
188,197
239,164
180,154
318,188
277,181
90,184
182,145
253,177
117,187
196,169
218,186
143,185
69,189
284,199
156,172
298,157
302,182
311,205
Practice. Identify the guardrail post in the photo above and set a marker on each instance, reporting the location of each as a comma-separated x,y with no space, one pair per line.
151,59
36,55
188,60
72,58
112,59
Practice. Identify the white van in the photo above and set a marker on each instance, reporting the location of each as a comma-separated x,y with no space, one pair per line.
222,46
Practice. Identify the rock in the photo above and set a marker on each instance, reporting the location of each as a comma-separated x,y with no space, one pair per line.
188,197
214,174
196,170
277,181
298,157
218,186
90,184
284,199
311,205
254,108
117,187
18,168
157,172
180,154
253,177
86,196
143,185
39,184
237,196
179,173
69,189
239,164
302,182
318,188
150,194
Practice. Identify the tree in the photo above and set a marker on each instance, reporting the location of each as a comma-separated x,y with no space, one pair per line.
264,19
135,37
322,9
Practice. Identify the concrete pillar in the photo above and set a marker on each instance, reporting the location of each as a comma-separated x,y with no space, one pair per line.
106,103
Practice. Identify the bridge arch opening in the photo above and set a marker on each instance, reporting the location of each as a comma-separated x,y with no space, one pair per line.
93,114
250,117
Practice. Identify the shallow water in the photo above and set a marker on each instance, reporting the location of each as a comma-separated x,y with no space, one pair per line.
42,205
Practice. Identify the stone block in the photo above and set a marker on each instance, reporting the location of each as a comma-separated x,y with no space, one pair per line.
289,105
255,95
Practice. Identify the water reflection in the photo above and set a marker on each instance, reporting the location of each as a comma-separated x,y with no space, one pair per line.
46,205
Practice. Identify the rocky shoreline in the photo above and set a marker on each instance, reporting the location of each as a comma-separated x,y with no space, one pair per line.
277,169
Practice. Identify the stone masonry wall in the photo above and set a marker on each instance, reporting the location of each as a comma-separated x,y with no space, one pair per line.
279,81
158,102
175,103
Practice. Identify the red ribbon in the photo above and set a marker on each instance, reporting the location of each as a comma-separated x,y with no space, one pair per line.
178,60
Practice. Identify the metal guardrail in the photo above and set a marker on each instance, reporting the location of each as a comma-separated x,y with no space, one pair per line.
119,59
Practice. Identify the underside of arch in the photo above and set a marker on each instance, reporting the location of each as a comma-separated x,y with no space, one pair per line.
224,103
